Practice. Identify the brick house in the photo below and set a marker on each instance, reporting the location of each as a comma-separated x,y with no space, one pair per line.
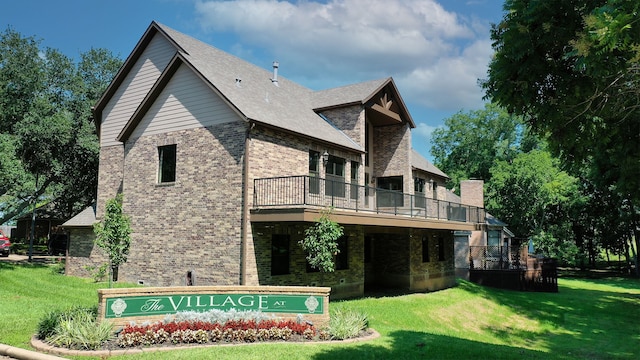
223,165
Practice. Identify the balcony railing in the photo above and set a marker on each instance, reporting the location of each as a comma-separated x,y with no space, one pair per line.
314,191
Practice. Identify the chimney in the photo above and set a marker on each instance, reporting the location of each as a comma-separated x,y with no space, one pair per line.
275,73
472,192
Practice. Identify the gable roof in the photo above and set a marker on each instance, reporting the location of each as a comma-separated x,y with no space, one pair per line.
250,91
361,93
85,218
421,163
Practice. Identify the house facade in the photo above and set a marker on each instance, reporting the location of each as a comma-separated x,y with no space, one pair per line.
223,165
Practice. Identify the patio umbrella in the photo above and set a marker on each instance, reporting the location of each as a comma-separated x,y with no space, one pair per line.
531,249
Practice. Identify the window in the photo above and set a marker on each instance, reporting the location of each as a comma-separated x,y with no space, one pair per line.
354,180
425,248
440,249
167,163
418,188
335,177
391,198
435,190
493,238
366,144
342,259
314,172
279,254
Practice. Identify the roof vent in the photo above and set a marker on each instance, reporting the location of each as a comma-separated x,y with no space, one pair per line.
238,81
274,80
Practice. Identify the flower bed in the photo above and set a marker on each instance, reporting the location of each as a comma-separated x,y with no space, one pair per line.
202,332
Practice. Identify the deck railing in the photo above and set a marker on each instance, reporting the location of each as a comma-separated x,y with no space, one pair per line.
495,257
314,191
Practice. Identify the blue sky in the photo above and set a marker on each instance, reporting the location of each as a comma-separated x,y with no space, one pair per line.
435,50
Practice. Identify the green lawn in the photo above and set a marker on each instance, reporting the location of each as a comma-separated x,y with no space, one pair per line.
587,319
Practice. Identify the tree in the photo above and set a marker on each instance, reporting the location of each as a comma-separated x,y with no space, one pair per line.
113,235
321,242
470,143
535,197
571,69
48,142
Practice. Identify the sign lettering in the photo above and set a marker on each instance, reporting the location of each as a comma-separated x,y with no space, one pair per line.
131,306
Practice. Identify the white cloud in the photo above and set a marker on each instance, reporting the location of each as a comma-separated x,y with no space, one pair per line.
423,132
435,56
452,81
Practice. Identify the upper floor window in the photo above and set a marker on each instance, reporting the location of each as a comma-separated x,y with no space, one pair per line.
418,188
354,179
366,144
419,184
167,163
314,172
335,177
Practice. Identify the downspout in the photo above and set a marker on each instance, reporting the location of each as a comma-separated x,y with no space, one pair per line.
244,226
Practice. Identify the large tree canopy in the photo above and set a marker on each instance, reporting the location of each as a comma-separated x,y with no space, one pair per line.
48,143
571,69
470,143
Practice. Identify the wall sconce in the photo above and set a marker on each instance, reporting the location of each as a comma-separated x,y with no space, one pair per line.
325,157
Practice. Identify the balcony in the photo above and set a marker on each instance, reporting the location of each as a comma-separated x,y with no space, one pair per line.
309,191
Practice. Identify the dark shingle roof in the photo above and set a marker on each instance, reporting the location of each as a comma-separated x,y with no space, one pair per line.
287,106
86,218
421,163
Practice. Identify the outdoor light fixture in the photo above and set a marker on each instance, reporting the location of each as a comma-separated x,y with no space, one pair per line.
325,157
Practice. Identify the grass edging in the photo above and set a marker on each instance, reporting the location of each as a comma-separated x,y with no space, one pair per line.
50,349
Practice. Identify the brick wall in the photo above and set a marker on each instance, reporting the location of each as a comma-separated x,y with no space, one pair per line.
344,283
109,176
391,150
83,254
472,192
434,274
350,120
193,224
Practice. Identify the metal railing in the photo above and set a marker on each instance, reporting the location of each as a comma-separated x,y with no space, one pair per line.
314,191
497,257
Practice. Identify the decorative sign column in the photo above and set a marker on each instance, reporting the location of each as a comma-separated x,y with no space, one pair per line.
120,306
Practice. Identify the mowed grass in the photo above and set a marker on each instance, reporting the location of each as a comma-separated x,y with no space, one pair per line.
587,319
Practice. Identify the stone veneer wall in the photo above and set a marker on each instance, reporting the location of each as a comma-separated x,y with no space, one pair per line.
193,224
435,274
343,283
391,259
83,254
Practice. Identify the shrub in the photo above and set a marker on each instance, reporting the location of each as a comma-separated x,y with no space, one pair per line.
78,329
345,324
59,266
98,273
47,326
